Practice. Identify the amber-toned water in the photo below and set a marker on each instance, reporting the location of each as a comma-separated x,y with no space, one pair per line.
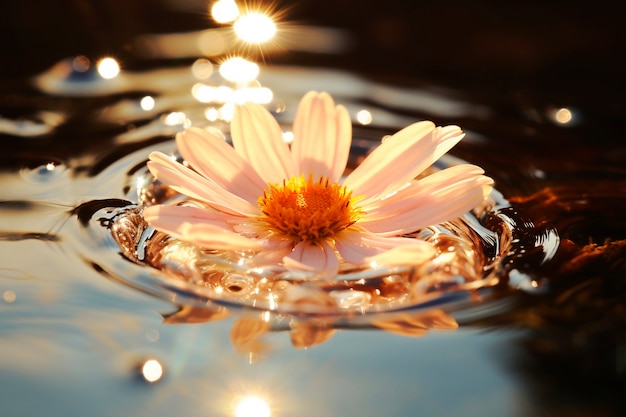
86,321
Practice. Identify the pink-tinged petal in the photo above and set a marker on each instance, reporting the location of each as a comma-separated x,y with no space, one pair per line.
405,254
201,227
319,257
360,247
169,218
188,182
402,157
322,136
215,237
211,156
442,196
257,137
274,255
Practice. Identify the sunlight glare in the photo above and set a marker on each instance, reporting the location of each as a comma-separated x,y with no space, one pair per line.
203,93
252,407
239,70
364,117
108,68
147,103
152,370
255,27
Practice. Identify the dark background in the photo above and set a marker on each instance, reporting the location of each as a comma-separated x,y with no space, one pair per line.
573,50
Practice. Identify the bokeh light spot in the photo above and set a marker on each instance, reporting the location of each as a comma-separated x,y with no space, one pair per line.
202,68
9,296
80,63
152,370
239,70
563,116
147,103
224,11
364,117
108,68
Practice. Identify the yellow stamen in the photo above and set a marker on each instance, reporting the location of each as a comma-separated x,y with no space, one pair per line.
304,209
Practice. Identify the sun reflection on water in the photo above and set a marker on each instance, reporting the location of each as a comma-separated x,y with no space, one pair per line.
108,68
252,406
239,70
255,27
224,11
152,370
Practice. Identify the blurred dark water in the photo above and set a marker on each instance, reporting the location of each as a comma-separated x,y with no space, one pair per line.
521,60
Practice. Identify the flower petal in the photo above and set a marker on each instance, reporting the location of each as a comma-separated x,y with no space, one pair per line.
169,218
257,137
322,136
199,226
211,156
190,183
442,196
360,247
402,157
319,257
215,237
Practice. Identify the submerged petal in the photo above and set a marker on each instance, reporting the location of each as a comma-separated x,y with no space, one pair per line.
442,196
257,137
322,136
211,156
317,256
190,183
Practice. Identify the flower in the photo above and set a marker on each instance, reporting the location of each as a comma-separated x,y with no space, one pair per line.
291,205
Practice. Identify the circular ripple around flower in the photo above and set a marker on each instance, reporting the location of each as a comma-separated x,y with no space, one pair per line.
470,251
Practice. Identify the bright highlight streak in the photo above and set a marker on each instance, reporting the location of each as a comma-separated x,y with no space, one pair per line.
224,11
108,68
252,407
152,370
239,70
255,27
147,103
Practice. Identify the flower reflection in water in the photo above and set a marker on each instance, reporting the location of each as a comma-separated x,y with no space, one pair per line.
248,331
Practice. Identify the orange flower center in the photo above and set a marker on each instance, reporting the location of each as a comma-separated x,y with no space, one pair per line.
308,210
